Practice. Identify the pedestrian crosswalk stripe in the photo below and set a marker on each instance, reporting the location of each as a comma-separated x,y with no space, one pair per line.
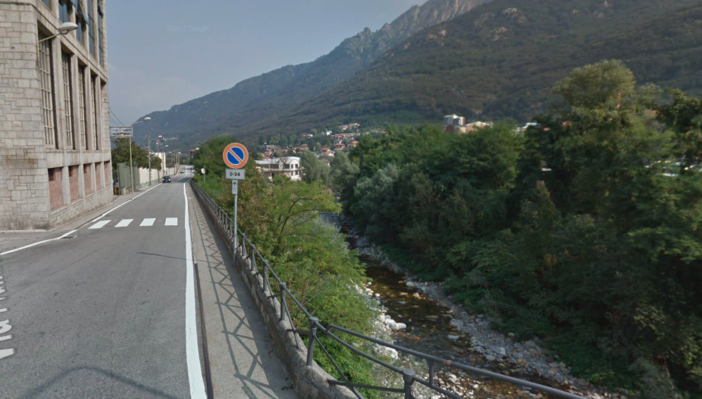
171,221
100,225
124,223
148,222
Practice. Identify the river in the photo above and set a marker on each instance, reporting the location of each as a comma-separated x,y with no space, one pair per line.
433,328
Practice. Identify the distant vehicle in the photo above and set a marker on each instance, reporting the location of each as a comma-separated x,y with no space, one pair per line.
166,179
182,171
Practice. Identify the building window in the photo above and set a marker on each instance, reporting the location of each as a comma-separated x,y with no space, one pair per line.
68,100
47,3
74,184
88,178
55,188
46,77
80,21
99,182
93,94
91,28
81,101
101,36
64,10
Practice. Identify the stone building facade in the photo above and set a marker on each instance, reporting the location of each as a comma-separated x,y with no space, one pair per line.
54,113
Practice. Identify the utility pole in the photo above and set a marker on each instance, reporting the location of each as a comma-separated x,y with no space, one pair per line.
131,164
158,151
148,140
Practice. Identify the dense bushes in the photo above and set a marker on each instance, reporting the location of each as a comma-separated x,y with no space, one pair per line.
584,231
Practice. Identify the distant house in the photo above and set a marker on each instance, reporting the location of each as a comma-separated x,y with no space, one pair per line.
307,135
339,147
285,166
353,144
457,124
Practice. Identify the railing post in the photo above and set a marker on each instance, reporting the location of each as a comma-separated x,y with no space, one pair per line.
283,287
408,376
313,337
252,264
266,285
431,372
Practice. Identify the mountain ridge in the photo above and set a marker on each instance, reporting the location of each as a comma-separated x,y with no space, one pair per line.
256,98
501,60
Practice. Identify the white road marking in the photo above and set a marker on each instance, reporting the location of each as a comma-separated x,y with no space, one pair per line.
37,243
99,225
171,221
197,386
148,222
5,327
124,222
121,205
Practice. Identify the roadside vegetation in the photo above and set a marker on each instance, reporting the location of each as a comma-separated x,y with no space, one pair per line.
583,231
283,219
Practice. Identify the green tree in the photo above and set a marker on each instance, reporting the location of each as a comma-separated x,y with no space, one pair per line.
314,170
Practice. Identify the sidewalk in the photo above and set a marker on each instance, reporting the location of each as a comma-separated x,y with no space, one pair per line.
243,362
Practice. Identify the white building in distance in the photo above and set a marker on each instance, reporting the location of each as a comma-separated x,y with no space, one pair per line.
285,166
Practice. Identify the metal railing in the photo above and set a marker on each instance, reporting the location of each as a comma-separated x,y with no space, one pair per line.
258,265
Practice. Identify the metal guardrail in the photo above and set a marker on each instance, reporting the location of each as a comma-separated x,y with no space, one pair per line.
259,265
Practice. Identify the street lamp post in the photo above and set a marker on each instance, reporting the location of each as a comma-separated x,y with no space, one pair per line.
131,163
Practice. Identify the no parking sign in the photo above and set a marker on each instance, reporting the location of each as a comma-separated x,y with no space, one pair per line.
235,155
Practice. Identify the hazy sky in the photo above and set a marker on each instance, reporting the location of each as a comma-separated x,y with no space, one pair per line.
166,52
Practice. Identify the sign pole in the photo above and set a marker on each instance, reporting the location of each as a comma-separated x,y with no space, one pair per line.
235,156
235,190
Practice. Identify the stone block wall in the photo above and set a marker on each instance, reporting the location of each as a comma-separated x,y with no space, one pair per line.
42,186
24,182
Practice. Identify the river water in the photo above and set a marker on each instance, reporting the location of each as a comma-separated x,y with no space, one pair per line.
428,330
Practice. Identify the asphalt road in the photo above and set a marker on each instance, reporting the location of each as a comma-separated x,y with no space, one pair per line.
101,313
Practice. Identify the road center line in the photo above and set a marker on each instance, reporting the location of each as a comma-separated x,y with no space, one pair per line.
197,385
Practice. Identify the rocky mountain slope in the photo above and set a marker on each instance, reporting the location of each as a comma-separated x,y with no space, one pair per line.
501,60
257,98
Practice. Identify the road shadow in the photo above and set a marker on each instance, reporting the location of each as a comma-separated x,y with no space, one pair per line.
252,358
45,387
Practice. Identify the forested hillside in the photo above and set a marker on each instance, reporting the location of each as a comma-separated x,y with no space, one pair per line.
265,96
501,59
583,231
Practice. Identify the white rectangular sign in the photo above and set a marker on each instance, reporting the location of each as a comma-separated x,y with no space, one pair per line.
236,174
121,131
235,187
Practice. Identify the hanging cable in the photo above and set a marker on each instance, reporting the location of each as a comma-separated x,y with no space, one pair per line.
113,114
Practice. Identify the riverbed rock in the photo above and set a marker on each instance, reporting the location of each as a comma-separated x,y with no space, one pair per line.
454,337
457,324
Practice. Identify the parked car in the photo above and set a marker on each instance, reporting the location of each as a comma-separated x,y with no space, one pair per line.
166,179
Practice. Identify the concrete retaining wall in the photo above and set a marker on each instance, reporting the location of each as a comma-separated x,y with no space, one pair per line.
310,382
